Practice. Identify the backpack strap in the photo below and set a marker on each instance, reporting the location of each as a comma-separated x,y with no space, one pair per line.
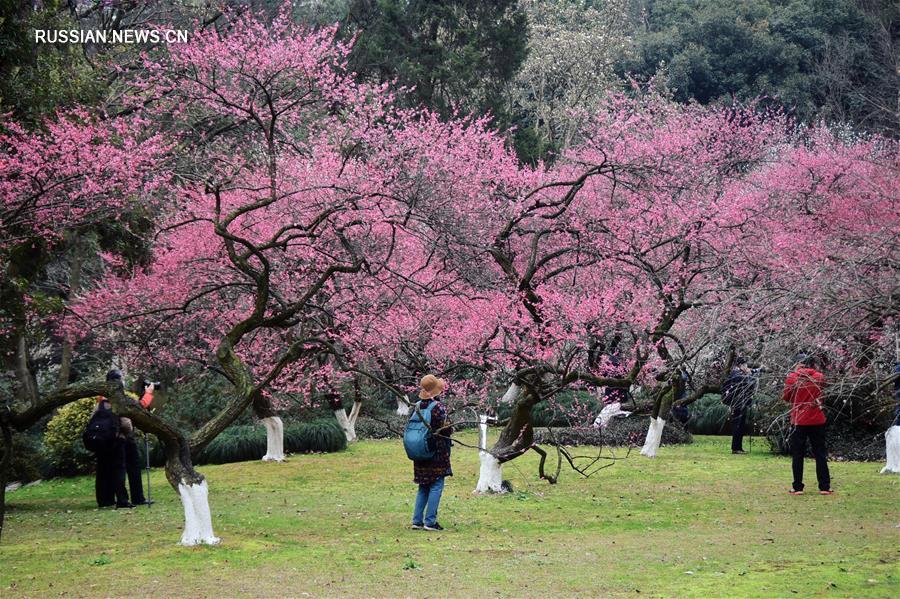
420,410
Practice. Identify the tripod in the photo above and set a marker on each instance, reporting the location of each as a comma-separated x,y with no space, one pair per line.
147,453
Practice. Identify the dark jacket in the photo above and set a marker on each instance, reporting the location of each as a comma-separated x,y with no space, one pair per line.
737,391
426,472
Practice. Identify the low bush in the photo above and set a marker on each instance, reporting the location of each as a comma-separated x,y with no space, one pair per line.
318,436
566,409
28,462
386,427
708,416
62,440
621,432
248,442
845,442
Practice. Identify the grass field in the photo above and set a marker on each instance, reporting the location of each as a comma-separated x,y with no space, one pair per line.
694,522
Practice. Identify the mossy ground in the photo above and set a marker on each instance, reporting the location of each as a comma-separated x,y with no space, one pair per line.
695,521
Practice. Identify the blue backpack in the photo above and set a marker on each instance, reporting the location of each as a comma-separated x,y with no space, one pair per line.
417,438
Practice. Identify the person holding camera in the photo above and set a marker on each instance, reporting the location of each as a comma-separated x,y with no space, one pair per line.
803,390
147,397
737,393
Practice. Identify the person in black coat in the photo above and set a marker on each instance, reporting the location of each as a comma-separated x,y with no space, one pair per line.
132,463
109,485
737,393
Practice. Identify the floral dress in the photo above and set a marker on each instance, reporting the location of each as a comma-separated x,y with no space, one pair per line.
426,472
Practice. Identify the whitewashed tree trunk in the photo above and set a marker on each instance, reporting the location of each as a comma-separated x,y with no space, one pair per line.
511,394
490,478
892,448
354,414
274,439
348,425
197,519
402,407
654,437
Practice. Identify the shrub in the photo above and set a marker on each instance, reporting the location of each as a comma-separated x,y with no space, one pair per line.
192,403
569,408
62,439
621,432
388,427
709,416
318,436
845,440
27,462
248,442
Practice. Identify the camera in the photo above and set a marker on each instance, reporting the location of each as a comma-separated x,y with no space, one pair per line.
157,385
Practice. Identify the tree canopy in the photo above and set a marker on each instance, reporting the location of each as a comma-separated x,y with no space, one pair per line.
834,59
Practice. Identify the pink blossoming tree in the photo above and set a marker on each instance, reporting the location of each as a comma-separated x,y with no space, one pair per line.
76,174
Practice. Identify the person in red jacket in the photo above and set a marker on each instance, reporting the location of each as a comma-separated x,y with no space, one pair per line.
803,390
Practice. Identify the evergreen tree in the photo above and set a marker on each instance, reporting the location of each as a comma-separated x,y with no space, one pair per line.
455,53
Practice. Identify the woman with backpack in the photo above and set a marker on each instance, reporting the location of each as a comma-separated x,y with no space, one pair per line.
429,474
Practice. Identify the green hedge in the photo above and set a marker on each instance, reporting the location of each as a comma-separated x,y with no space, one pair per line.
248,442
709,416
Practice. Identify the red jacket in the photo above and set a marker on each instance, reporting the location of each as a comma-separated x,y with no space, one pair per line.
803,389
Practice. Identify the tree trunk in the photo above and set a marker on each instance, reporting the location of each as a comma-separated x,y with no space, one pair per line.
274,439
490,477
511,394
892,448
65,364
347,423
187,482
262,409
661,407
341,415
654,436
516,438
402,407
28,389
5,465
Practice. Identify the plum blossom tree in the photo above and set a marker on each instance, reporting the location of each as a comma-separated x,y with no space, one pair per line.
636,229
655,226
298,217
79,171
831,275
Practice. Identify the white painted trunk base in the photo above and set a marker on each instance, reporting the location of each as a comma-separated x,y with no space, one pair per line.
892,448
609,412
346,425
274,439
654,437
490,478
197,519
402,407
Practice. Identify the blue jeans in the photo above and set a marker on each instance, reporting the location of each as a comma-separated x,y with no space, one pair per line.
429,495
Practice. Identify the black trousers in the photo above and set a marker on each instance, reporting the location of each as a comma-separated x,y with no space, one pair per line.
133,469
738,428
109,485
797,440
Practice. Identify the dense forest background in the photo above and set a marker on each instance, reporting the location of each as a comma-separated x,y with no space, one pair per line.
537,67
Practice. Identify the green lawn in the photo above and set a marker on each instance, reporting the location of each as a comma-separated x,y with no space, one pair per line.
695,521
